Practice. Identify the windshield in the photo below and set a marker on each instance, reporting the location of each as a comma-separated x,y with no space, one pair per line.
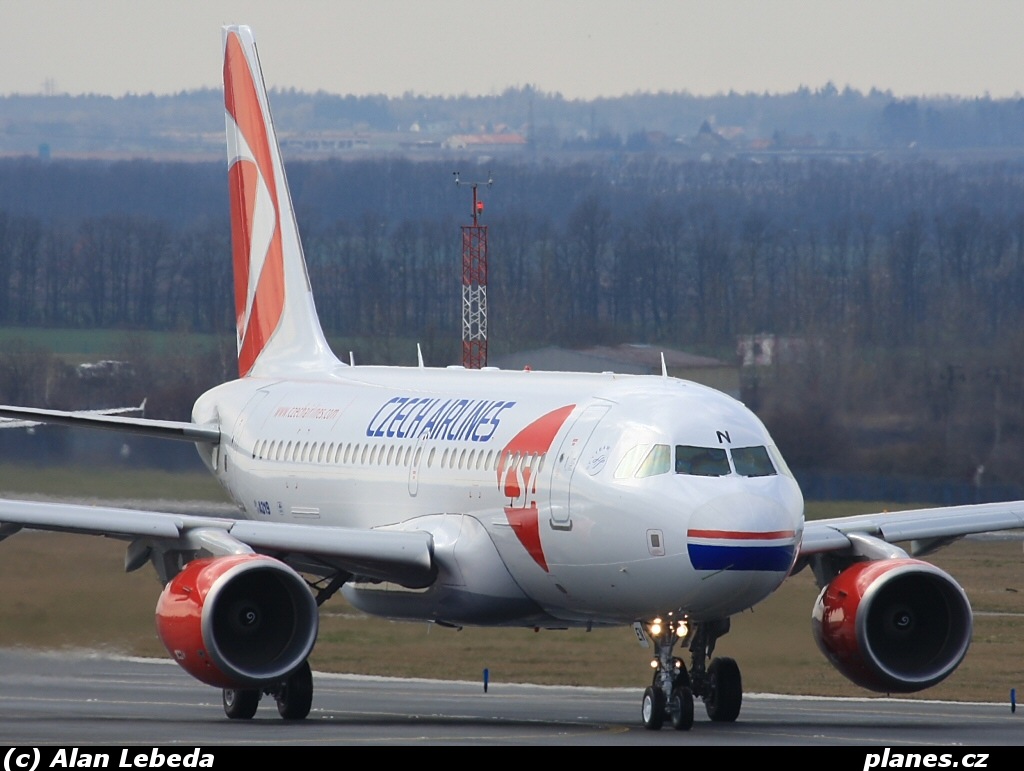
645,460
752,461
702,461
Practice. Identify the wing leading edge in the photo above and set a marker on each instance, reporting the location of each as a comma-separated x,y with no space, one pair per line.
926,528
404,557
161,429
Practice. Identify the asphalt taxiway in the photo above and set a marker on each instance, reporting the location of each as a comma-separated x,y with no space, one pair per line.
84,698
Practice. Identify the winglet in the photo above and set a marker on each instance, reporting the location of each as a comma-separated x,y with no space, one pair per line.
278,329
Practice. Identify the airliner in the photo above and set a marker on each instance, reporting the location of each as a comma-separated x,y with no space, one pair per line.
491,498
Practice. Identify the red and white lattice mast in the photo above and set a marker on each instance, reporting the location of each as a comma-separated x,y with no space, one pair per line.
474,285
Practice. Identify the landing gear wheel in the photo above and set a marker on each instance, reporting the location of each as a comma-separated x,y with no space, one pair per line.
240,703
725,691
295,696
680,708
653,710
682,677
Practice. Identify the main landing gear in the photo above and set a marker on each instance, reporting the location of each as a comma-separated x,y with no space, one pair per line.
672,690
294,697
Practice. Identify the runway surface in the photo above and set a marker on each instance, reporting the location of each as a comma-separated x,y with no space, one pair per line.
95,699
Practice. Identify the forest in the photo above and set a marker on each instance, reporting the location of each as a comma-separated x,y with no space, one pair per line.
190,124
902,281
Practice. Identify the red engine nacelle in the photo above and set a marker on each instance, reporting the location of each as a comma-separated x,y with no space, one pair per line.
894,626
239,621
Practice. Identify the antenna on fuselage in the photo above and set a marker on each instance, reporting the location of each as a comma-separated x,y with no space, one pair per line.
419,355
351,359
664,369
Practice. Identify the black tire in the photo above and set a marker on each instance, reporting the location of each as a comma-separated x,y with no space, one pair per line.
295,696
240,703
725,691
680,708
653,710
682,677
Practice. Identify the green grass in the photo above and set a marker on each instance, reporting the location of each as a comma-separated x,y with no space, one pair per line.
108,483
78,345
828,509
98,343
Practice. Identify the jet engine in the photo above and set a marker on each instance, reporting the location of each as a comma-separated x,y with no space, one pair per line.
240,621
894,625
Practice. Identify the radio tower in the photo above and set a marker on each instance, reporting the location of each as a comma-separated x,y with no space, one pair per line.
474,285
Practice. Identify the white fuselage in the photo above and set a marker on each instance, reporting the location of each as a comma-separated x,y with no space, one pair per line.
548,495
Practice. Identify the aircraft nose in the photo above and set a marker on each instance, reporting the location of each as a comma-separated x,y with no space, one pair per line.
744,531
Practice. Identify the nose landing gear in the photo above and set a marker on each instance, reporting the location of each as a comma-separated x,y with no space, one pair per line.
294,697
673,688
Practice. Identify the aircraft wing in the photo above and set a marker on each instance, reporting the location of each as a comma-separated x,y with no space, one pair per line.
110,420
404,557
926,528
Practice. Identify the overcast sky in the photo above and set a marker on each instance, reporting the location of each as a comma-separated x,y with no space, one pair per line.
580,49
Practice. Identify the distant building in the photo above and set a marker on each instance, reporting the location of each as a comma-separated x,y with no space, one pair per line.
627,359
766,350
709,139
106,369
485,141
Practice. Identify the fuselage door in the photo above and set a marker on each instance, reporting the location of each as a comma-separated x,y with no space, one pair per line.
237,435
566,461
241,444
414,464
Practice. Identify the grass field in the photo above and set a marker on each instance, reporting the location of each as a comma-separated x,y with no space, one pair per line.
108,483
78,345
69,591
91,344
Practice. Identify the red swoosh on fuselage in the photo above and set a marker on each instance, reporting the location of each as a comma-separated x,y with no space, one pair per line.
535,439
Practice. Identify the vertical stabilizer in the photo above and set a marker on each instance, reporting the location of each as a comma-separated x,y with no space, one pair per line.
278,329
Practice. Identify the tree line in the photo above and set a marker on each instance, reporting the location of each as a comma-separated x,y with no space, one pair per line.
189,124
697,253
904,280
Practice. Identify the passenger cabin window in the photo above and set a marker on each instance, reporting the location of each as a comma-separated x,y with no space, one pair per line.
702,461
752,462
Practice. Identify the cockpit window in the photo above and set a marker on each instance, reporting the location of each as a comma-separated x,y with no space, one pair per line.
780,462
752,462
701,461
645,460
658,461
630,461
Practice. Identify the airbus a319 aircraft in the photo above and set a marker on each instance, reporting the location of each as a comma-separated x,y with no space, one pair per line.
485,497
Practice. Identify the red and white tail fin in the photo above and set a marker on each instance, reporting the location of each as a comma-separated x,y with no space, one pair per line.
278,329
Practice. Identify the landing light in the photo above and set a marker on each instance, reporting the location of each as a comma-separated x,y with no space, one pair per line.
682,629
656,627
654,663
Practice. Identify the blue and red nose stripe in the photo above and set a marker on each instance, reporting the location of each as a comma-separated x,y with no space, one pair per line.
736,550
